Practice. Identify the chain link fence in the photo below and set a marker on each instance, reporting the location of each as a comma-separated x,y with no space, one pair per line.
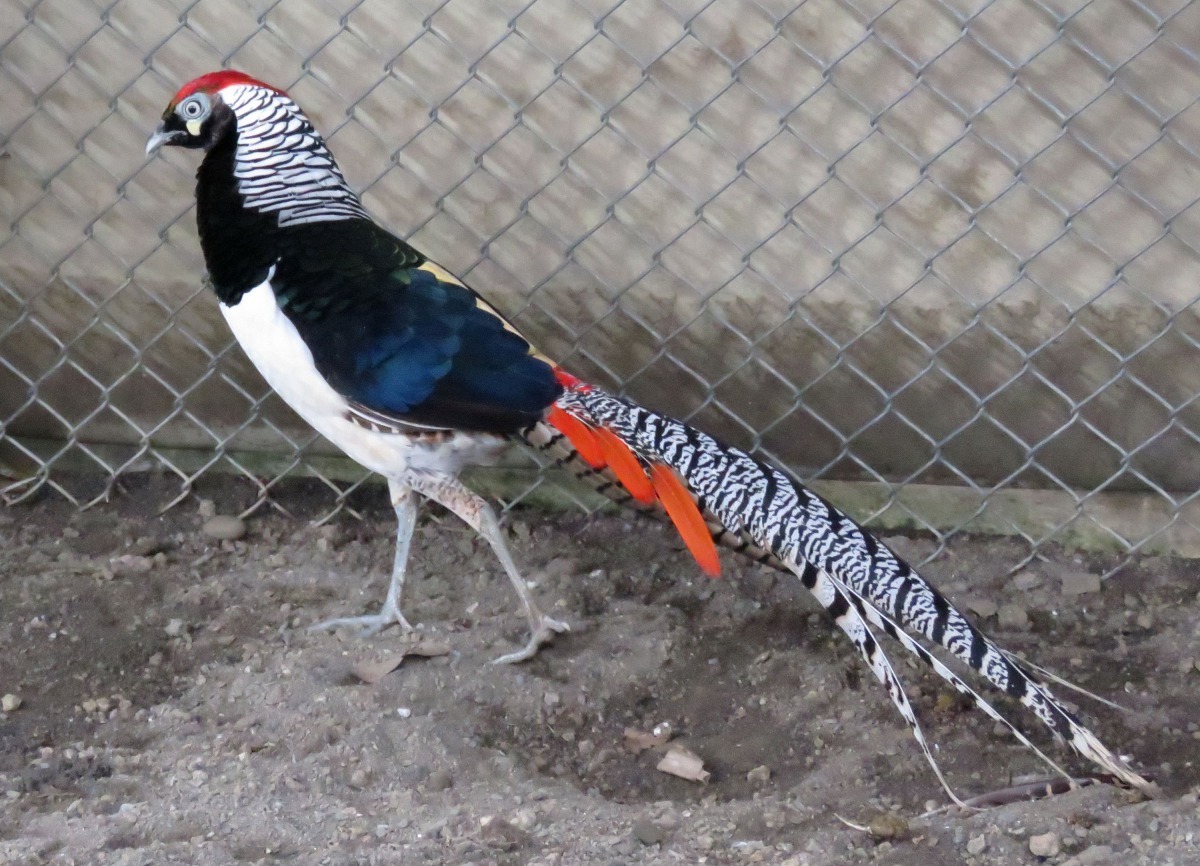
940,255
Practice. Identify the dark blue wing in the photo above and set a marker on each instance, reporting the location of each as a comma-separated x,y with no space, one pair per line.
403,341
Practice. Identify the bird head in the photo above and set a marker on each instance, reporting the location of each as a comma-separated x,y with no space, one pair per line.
198,116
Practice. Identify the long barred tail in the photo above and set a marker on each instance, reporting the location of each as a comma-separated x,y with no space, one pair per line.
753,507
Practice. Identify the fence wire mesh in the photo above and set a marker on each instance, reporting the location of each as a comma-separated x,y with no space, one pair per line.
945,247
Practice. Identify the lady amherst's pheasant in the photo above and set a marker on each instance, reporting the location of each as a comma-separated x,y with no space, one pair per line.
414,375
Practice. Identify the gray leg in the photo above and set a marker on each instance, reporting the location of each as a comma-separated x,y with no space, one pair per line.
405,501
447,491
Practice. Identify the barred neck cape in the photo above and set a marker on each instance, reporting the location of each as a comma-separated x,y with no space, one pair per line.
268,186
757,509
282,164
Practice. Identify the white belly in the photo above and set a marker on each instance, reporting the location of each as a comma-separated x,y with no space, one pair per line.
274,346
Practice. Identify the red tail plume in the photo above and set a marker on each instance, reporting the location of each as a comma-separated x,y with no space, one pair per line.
686,517
580,435
626,466
600,447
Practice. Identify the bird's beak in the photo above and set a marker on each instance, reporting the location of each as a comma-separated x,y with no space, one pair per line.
161,137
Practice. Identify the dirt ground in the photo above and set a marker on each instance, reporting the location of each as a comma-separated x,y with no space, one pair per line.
174,710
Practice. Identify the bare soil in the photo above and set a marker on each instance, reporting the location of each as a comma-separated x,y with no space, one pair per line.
173,709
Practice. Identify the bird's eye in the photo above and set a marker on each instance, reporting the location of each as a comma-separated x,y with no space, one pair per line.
194,107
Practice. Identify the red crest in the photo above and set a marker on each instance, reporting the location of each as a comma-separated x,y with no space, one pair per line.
211,82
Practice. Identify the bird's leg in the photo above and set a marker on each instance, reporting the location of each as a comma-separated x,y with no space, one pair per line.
446,490
405,501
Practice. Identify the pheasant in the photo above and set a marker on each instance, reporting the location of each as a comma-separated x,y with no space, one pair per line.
414,375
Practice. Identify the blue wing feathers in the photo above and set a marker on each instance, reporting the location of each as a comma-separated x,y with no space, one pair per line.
403,342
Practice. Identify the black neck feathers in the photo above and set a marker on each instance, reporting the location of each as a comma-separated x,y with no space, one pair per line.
239,244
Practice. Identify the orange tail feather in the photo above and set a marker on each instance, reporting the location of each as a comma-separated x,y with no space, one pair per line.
600,447
580,435
686,517
626,466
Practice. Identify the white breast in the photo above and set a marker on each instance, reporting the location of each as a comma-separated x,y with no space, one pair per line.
274,345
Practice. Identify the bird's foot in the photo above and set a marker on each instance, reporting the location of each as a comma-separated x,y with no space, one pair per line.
543,632
368,625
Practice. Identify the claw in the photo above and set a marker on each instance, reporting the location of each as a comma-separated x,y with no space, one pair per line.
543,634
367,625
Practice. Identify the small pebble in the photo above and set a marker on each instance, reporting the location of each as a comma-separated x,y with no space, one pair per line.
433,829
1013,616
224,527
1094,855
1044,845
649,833
759,775
524,819
976,845
1080,583
500,833
174,628
9,702
1027,580
888,825
982,607
439,780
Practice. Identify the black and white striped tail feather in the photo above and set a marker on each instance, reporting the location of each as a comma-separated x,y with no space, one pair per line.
836,600
810,576
849,617
555,445
738,519
847,608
